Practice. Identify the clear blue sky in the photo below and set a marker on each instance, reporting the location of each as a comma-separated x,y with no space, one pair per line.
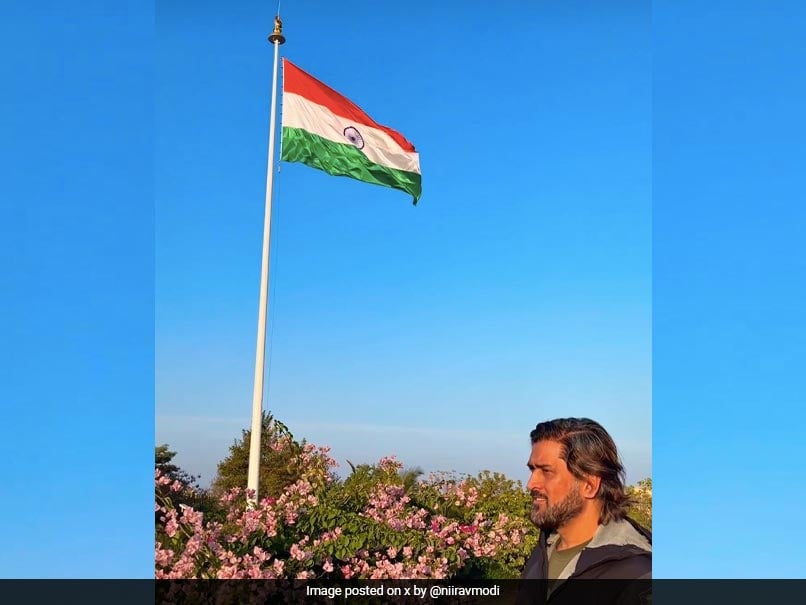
518,290
602,199
729,294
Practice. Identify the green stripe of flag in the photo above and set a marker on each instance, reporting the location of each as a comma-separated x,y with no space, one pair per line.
340,159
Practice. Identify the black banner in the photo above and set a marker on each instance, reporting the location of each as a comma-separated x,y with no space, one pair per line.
416,592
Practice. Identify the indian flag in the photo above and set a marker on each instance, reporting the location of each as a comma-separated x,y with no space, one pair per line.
325,130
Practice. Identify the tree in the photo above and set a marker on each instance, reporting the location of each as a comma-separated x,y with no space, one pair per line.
279,453
641,508
163,461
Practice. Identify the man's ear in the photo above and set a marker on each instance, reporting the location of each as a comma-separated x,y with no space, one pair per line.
590,486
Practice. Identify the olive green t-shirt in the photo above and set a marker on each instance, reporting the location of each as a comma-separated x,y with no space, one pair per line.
560,558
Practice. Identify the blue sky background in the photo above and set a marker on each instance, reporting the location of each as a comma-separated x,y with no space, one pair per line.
77,310
520,288
728,301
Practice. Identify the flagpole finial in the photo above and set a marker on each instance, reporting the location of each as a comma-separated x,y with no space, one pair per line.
277,36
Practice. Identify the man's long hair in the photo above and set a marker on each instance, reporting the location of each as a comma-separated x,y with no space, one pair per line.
588,449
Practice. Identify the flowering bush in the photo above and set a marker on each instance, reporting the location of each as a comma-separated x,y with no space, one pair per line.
371,525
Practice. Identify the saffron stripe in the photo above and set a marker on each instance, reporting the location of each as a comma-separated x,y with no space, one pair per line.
299,82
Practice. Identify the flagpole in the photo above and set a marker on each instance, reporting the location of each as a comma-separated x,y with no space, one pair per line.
276,38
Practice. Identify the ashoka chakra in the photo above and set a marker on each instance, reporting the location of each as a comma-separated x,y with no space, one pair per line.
354,137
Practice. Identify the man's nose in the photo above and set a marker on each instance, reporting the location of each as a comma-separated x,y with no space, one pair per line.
533,483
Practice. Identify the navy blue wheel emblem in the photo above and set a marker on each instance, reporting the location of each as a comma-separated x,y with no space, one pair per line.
354,137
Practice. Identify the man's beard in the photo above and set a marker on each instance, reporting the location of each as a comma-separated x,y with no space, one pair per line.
554,516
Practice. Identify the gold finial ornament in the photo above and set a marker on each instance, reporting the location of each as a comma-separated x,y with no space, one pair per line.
277,35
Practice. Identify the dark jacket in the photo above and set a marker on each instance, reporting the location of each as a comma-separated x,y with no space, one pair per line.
619,556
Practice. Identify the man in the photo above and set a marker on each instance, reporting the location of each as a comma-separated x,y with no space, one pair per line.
579,503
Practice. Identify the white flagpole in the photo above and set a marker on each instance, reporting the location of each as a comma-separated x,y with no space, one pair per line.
276,38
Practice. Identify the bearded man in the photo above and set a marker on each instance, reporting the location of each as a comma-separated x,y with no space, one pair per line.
580,504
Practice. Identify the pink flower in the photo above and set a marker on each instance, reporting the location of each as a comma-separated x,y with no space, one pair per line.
297,553
162,557
171,527
201,548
